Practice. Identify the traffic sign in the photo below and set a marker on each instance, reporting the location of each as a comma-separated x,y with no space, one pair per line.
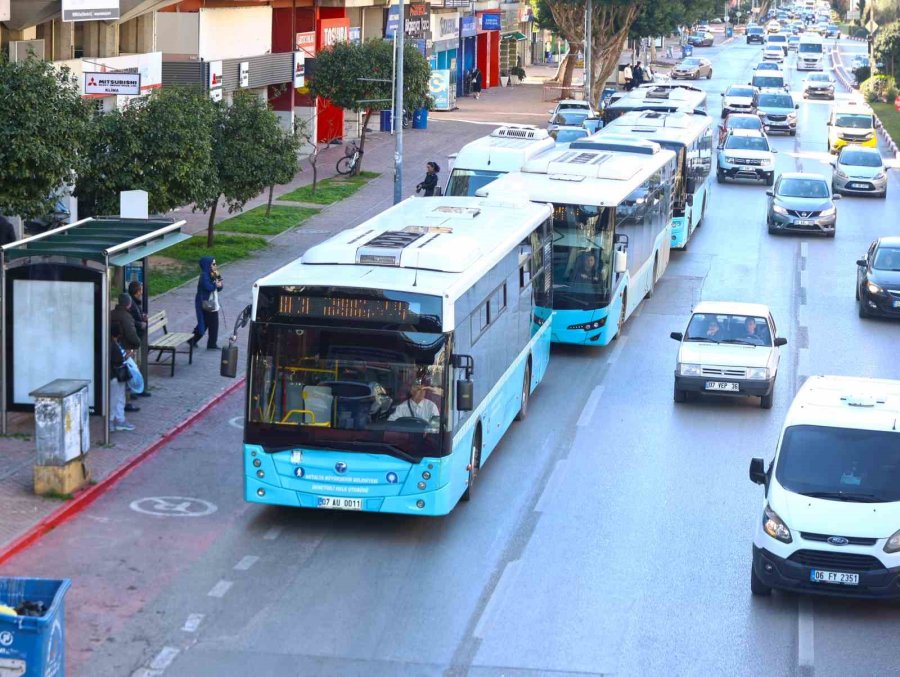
871,26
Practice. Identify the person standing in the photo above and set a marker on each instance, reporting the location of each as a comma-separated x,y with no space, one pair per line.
206,303
7,231
130,339
117,357
637,75
476,82
136,292
429,183
628,76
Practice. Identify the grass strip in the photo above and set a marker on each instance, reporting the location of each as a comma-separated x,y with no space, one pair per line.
329,191
890,118
255,222
185,255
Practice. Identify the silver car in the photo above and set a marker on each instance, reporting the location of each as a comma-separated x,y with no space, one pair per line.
777,111
802,203
746,154
859,170
819,85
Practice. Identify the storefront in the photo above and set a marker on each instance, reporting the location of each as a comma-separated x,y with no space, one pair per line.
487,47
465,62
443,59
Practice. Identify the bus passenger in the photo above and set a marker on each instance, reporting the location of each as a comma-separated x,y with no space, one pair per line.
416,405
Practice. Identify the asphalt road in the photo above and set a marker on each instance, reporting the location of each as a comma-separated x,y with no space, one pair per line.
610,534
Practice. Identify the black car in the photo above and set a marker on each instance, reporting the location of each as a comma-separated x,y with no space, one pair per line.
756,34
878,279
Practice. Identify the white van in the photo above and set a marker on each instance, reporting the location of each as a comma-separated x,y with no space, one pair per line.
504,150
830,519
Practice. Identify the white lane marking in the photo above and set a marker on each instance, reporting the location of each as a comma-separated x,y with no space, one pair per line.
804,250
497,597
804,279
802,312
193,622
146,672
164,658
238,421
587,413
559,471
614,355
220,588
805,634
803,363
246,562
272,534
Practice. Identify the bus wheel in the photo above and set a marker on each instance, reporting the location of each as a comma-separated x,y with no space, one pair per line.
474,463
526,393
653,279
621,325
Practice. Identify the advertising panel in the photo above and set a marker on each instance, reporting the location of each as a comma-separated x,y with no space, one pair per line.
123,84
90,10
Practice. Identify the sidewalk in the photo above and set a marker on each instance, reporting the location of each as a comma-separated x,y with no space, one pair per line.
186,396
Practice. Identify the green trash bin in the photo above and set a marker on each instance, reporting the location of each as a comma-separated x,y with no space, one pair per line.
33,646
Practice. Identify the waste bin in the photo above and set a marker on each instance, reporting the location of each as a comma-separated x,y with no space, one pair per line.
729,31
687,50
33,646
386,119
420,118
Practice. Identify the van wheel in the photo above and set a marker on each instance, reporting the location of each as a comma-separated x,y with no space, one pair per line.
679,395
765,402
526,393
757,587
474,465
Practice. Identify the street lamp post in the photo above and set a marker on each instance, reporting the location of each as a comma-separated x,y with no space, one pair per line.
398,110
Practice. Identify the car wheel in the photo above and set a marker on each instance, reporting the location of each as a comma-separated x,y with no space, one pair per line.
771,229
474,465
720,177
793,132
757,586
857,290
765,402
884,194
679,395
831,232
709,75
770,179
861,308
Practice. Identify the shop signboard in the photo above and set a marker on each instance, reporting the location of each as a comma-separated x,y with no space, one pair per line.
334,31
215,75
90,10
418,20
299,70
244,74
355,34
467,27
306,43
4,10
108,84
490,22
445,26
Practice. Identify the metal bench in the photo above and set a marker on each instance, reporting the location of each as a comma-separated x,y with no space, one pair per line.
168,342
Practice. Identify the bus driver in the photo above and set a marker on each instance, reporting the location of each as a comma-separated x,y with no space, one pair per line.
416,405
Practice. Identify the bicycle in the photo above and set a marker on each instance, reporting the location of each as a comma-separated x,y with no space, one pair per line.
350,161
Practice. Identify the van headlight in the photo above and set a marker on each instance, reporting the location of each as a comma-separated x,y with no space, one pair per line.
775,527
893,543
758,373
685,369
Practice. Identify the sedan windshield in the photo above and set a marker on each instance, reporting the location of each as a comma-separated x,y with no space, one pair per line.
819,77
739,91
775,101
574,116
854,121
840,464
689,63
726,328
803,188
887,258
768,66
856,158
746,143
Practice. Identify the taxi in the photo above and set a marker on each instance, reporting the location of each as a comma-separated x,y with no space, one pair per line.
851,123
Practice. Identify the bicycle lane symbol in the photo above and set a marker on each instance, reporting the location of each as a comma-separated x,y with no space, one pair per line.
173,506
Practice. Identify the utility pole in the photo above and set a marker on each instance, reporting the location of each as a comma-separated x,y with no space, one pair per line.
398,109
588,39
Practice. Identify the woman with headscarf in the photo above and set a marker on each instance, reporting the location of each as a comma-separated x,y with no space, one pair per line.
206,303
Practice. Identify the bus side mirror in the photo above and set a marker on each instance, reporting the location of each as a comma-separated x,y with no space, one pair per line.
758,471
621,262
465,394
229,363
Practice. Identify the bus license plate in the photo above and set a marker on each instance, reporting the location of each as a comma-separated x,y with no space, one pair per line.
335,503
722,385
817,576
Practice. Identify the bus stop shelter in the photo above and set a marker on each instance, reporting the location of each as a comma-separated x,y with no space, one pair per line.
56,291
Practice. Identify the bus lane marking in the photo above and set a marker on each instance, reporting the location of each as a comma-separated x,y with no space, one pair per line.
246,562
620,344
219,589
587,413
556,477
805,635
497,596
193,622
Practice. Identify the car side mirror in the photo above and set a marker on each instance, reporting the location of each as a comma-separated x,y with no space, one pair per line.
722,95
677,335
828,124
758,471
836,196
774,151
796,106
780,341
770,193
860,262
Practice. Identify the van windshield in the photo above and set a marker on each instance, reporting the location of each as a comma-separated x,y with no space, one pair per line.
853,121
840,464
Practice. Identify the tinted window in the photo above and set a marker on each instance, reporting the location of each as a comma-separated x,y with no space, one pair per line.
820,77
743,122
570,117
691,63
468,181
775,101
887,258
568,135
768,81
860,159
803,188
840,463
739,91
811,47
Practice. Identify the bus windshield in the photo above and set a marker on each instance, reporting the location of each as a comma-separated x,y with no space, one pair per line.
365,390
582,251
467,181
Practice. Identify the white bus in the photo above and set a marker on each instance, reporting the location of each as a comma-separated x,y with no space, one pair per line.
386,363
667,98
504,150
612,221
810,52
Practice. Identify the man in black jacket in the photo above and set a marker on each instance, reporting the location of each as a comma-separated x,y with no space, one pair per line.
129,339
136,292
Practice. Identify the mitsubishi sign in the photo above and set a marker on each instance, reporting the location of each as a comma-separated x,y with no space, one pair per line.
90,10
4,10
123,84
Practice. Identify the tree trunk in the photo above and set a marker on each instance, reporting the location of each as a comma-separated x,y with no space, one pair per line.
569,72
362,141
212,222
269,205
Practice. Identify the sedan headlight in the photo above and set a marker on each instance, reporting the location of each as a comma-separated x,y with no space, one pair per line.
831,211
768,161
685,369
792,116
840,174
893,543
874,288
729,159
775,527
879,176
779,210
758,373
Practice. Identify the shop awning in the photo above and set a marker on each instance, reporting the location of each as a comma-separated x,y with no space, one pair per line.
105,239
513,35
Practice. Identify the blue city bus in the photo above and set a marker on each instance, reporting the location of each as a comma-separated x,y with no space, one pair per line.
690,137
612,221
386,363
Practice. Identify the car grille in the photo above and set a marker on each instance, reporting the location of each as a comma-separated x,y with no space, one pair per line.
747,161
854,137
733,372
802,214
777,118
841,561
852,540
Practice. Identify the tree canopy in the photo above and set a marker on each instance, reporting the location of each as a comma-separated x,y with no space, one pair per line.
43,122
887,48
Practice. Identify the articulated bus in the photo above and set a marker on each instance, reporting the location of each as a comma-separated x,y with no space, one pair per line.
386,363
690,137
612,216
665,98
504,150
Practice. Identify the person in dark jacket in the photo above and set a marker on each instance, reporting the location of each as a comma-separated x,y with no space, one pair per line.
429,183
130,339
476,82
136,292
117,356
7,231
208,287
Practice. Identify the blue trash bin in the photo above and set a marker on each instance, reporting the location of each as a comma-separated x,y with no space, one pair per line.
687,50
386,116
420,118
34,644
729,31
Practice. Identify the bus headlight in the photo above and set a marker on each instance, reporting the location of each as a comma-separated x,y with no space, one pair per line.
589,326
758,373
685,369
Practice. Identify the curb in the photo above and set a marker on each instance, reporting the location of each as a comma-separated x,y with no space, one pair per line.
85,497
